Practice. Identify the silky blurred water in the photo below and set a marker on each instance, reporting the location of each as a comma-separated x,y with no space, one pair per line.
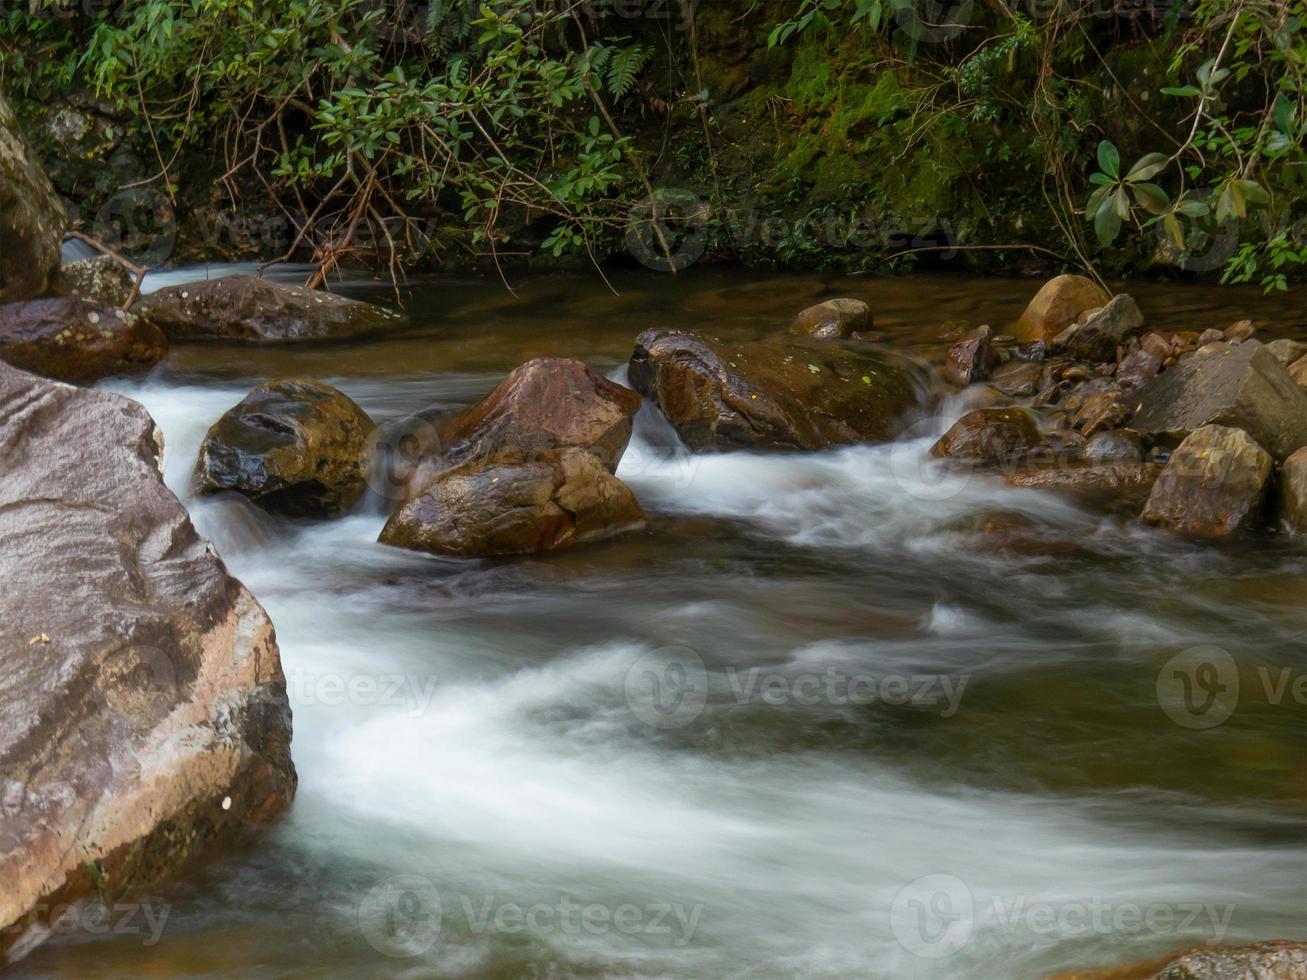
833,715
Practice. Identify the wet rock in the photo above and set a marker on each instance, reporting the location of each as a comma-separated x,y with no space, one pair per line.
143,710
1158,346
1119,446
773,395
1239,385
1138,368
31,218
833,318
1261,961
1213,486
1241,331
972,357
293,446
1097,337
1116,485
1293,492
1057,305
516,503
989,436
1099,412
102,280
1018,378
1298,372
248,309
1211,336
1287,351
77,341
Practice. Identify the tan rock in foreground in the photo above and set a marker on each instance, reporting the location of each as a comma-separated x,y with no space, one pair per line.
1213,486
1261,961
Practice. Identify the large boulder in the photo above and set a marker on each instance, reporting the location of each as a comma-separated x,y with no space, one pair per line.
143,710
77,341
293,446
101,279
1116,485
516,503
832,319
1238,385
1097,337
989,436
1261,961
1057,305
783,395
252,310
31,217
1213,485
1293,492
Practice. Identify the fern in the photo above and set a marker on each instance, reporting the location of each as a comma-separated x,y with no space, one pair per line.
623,68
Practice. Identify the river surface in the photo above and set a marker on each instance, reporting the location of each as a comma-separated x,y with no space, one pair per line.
834,715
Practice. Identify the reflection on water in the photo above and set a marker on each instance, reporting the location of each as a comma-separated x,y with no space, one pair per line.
913,712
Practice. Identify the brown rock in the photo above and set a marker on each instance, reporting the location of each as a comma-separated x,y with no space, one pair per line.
773,395
77,341
1057,305
1123,485
1157,345
972,357
1019,378
251,310
1239,385
1138,368
1098,412
1241,331
143,711
1119,446
516,504
1293,492
1099,335
293,446
832,319
1213,486
1261,961
101,279
989,436
1211,336
1287,351
31,217
1298,372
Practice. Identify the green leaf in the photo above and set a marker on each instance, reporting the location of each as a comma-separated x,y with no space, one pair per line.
1106,224
1184,91
1253,192
1148,166
1109,159
1100,179
1151,197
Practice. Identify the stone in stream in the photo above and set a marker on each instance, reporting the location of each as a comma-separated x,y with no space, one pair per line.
972,357
1115,446
1293,492
293,446
252,310
1287,351
77,341
1298,372
1275,960
834,318
143,710
989,437
1018,378
1115,485
1057,305
1213,486
31,217
1138,368
1237,385
516,503
101,279
1097,337
776,395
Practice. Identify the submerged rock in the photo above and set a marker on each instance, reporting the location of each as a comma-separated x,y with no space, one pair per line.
1213,486
31,217
989,436
143,710
1057,305
1293,492
248,309
293,446
1238,385
832,319
77,341
516,503
101,279
774,394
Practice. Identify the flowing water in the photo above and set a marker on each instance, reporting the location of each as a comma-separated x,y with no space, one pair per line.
833,715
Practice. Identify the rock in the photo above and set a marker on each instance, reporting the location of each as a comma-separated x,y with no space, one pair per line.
1213,486
1018,378
100,280
143,710
248,309
1057,305
1298,372
1261,961
1118,485
1099,412
1211,336
1241,331
1138,368
1239,385
293,446
1287,351
516,503
77,341
1119,446
31,218
1293,492
989,436
1097,338
833,318
1158,346
972,357
783,395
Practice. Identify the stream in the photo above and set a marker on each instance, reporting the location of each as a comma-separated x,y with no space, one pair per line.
834,715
